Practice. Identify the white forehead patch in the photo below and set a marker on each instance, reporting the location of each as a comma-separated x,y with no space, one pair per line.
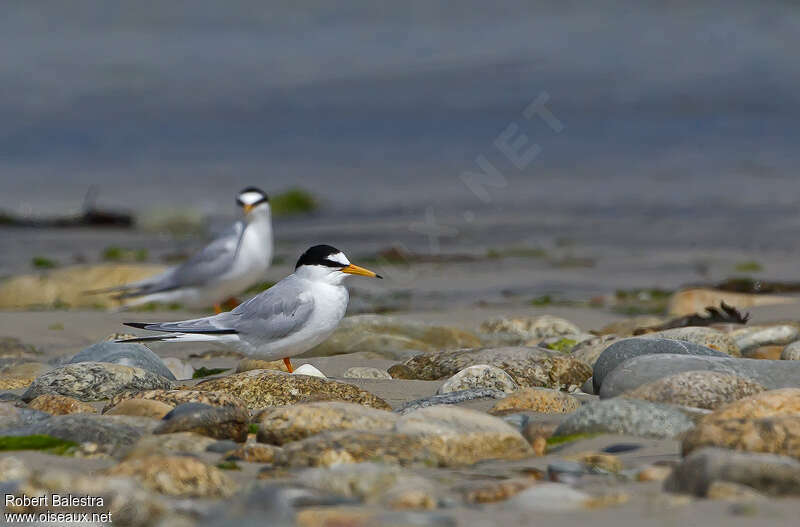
339,258
248,198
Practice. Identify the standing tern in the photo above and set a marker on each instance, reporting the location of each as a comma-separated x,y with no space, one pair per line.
224,268
291,317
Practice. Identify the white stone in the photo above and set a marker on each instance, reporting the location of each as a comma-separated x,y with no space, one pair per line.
308,369
180,369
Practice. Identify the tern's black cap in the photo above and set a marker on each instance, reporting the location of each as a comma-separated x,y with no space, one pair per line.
262,198
319,255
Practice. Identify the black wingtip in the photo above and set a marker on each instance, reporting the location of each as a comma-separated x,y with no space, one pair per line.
378,276
139,325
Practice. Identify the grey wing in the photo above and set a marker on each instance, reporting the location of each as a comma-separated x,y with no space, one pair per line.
212,261
277,312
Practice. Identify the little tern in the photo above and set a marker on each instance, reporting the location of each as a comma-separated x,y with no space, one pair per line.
224,268
291,317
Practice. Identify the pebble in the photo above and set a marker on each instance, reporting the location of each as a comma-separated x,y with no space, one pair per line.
263,388
791,351
528,366
308,369
496,491
60,405
15,382
450,398
180,443
140,408
94,381
130,354
549,497
767,473
365,372
641,370
626,417
182,370
254,453
589,350
755,336
176,476
433,436
12,416
542,400
702,336
83,428
627,349
175,397
779,434
293,423
597,461
565,471
700,389
368,482
388,335
218,422
401,371
516,331
258,364
479,376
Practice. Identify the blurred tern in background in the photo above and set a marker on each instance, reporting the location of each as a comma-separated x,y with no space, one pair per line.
224,268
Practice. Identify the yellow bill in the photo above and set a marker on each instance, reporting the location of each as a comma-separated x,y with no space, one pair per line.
354,269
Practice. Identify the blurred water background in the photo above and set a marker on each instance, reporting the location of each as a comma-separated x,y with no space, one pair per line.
680,120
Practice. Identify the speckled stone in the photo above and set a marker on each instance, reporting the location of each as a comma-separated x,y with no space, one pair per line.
292,423
258,364
365,372
387,335
785,401
219,422
434,436
255,453
479,376
15,382
61,405
401,371
450,398
140,408
626,417
182,443
528,366
94,381
516,331
176,476
176,397
767,473
263,388
702,336
541,400
752,337
791,351
700,389
126,354
779,434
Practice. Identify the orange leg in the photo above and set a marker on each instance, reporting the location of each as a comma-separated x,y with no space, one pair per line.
231,303
217,309
288,365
